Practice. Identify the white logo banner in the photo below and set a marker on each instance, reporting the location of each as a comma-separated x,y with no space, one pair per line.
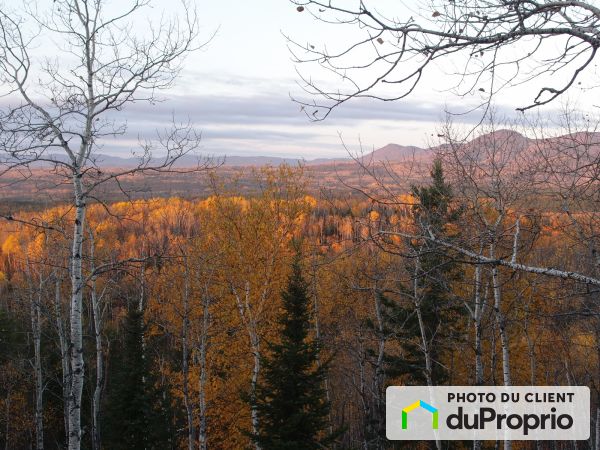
488,413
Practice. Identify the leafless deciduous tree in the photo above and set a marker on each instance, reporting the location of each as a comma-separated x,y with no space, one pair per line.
61,111
490,44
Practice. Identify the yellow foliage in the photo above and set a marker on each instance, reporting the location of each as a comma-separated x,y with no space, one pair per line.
310,201
408,199
11,245
36,247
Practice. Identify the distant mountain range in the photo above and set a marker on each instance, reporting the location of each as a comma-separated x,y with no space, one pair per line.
393,153
390,152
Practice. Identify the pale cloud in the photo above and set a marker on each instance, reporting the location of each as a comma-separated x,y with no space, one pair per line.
237,91
272,124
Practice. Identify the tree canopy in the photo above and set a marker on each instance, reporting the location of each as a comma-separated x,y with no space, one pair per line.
487,44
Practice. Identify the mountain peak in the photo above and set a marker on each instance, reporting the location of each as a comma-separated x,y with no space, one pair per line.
396,152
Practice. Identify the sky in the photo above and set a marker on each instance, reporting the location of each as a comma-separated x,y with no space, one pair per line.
237,89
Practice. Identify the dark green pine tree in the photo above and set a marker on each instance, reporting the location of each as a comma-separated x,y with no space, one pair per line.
137,413
437,270
290,398
441,312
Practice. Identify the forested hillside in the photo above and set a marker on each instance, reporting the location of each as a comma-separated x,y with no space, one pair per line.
155,295
470,277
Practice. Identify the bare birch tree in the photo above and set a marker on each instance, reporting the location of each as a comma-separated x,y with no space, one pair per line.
36,282
97,298
66,108
489,44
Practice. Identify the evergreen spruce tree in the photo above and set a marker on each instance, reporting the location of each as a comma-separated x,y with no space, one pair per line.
439,311
137,414
290,399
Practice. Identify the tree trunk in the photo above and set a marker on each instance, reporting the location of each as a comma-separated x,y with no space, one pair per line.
252,327
501,321
254,382
76,342
97,400
477,319
97,319
64,353
379,375
423,332
35,304
202,431
185,356
363,393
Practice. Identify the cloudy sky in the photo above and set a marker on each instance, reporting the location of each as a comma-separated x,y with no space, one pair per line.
237,88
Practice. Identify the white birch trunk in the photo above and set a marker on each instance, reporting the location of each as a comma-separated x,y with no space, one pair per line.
64,353
185,356
379,378
249,322
424,343
97,400
477,318
202,431
76,341
97,319
501,321
77,280
255,373
423,332
36,317
477,315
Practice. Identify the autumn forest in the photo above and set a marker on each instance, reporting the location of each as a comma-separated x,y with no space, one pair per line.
405,285
174,300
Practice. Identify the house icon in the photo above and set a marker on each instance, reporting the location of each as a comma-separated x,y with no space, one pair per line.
425,406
